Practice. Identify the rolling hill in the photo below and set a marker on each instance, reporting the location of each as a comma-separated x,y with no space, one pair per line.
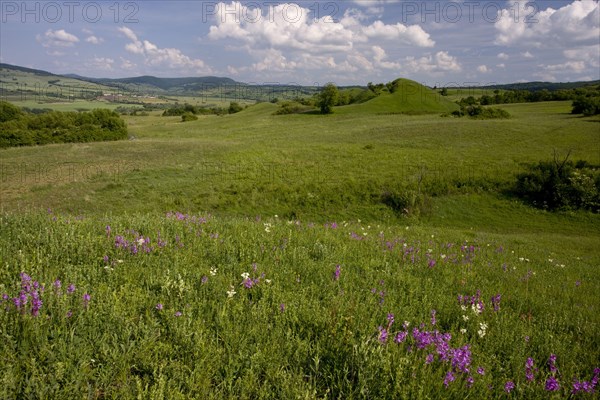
408,97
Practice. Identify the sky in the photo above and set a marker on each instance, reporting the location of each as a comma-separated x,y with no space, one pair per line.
438,43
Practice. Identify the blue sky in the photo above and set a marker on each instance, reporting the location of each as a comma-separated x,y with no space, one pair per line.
351,42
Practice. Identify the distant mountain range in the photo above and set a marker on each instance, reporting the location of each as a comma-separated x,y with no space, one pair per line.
157,85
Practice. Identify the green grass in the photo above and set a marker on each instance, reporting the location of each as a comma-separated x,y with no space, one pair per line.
325,342
268,189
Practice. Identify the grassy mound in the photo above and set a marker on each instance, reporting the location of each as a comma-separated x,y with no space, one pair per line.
408,97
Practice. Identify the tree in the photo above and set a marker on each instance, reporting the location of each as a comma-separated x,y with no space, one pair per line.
234,107
328,98
444,92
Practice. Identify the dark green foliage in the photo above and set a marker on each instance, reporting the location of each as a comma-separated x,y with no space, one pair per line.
328,98
234,107
586,106
291,107
444,92
479,112
191,109
21,129
9,112
188,117
555,185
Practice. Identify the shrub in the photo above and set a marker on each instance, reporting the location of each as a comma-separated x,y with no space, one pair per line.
234,107
586,106
562,185
188,117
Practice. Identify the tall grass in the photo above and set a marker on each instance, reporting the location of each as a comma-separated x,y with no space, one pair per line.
184,306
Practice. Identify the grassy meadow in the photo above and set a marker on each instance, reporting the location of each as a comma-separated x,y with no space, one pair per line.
361,254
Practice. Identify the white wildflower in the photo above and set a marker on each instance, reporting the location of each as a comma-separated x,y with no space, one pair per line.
231,292
213,271
245,275
463,331
465,318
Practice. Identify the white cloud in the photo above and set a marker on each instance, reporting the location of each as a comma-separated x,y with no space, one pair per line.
94,39
100,64
577,23
277,44
570,66
127,64
441,62
375,7
58,38
483,69
502,65
154,55
590,55
503,56
527,54
412,35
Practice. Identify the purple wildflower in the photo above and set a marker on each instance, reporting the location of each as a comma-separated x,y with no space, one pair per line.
552,363
36,304
461,359
509,386
71,288
159,306
552,384
429,358
204,279
529,369
248,283
336,274
390,318
433,320
69,314
86,299
481,371
178,314
400,337
496,302
282,307
431,263
470,381
383,334
449,378
108,231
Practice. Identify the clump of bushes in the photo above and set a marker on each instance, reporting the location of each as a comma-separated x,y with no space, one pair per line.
586,106
479,112
291,107
560,185
19,128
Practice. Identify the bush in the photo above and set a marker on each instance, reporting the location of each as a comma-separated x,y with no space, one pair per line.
554,185
60,127
586,106
188,117
234,107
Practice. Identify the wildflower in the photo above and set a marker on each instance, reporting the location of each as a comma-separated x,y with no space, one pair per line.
86,299
481,371
231,292
463,331
245,275
383,334
57,284
69,314
465,318
336,274
433,320
248,283
282,307
429,359
552,384
159,306
509,386
390,318
529,369
496,302
400,337
470,381
36,304
204,279
552,363
482,329
405,325
213,271
449,378
71,288
178,314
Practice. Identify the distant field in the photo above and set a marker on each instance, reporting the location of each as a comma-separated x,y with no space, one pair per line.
258,256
